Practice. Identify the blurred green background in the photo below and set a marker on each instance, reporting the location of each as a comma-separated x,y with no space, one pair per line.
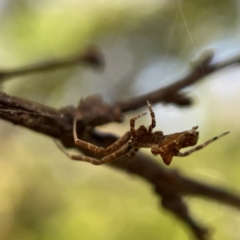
146,45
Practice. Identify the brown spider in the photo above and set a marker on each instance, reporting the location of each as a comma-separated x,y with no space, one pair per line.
166,146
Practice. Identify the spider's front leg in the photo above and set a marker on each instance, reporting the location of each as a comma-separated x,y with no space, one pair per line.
199,147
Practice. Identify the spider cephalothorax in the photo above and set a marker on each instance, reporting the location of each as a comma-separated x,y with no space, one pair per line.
171,144
167,146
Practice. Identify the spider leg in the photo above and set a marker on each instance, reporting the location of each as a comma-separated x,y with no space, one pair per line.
99,150
131,154
120,152
132,124
153,124
184,154
77,157
111,157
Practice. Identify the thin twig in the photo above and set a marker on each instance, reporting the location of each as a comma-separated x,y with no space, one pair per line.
91,57
170,93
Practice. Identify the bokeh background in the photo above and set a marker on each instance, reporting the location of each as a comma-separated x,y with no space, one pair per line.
146,45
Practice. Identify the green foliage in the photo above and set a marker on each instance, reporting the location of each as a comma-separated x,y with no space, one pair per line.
46,196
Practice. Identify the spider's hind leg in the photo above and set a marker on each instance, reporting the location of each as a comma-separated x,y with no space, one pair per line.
153,124
199,147
107,159
132,123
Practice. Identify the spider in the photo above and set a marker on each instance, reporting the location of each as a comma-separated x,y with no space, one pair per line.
167,146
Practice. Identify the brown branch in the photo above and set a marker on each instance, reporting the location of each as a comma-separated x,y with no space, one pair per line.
170,93
167,183
91,57
92,112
